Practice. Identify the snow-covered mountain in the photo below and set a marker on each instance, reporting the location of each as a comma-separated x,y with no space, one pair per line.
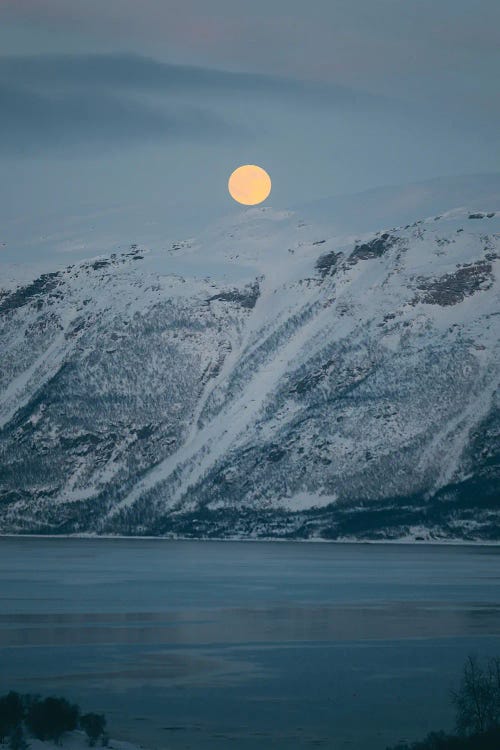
264,380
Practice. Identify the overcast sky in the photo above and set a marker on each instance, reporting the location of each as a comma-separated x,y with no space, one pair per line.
150,105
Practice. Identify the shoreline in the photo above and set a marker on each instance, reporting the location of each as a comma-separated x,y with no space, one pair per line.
393,542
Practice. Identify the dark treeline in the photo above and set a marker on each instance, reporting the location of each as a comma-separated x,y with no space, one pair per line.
477,707
45,719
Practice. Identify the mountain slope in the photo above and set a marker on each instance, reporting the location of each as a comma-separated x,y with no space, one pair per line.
400,204
306,387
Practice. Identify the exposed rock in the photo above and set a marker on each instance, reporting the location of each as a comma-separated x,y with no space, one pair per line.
22,296
246,297
373,249
451,289
327,263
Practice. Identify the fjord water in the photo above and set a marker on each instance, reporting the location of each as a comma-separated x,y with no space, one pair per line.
216,645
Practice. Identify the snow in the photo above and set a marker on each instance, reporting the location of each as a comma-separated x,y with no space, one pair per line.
237,379
206,446
18,392
77,740
306,500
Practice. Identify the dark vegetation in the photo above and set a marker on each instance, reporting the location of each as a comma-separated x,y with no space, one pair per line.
476,700
474,499
477,706
49,718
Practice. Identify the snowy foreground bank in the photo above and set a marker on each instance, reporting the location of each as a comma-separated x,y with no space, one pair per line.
77,741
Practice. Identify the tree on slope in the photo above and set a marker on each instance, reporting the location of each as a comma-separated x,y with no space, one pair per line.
93,726
477,699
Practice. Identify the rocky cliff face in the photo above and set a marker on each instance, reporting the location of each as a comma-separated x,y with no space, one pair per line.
264,381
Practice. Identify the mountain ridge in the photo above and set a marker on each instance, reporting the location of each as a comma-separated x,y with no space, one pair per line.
313,387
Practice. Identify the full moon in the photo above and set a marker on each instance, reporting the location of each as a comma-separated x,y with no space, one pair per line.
249,185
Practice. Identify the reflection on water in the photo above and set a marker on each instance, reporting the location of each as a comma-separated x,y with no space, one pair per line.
160,669
204,645
277,624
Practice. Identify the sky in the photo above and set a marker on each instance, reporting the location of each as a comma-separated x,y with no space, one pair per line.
122,120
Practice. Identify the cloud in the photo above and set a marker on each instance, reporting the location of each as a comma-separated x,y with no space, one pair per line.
59,102
65,102
136,73
33,123
356,42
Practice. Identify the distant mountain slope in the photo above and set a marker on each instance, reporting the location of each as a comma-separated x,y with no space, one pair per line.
385,207
308,387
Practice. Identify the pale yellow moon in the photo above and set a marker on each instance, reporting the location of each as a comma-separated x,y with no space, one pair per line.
249,185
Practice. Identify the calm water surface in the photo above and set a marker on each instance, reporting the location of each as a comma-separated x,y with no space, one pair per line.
217,645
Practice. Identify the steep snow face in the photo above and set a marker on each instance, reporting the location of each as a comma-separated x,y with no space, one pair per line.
262,380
